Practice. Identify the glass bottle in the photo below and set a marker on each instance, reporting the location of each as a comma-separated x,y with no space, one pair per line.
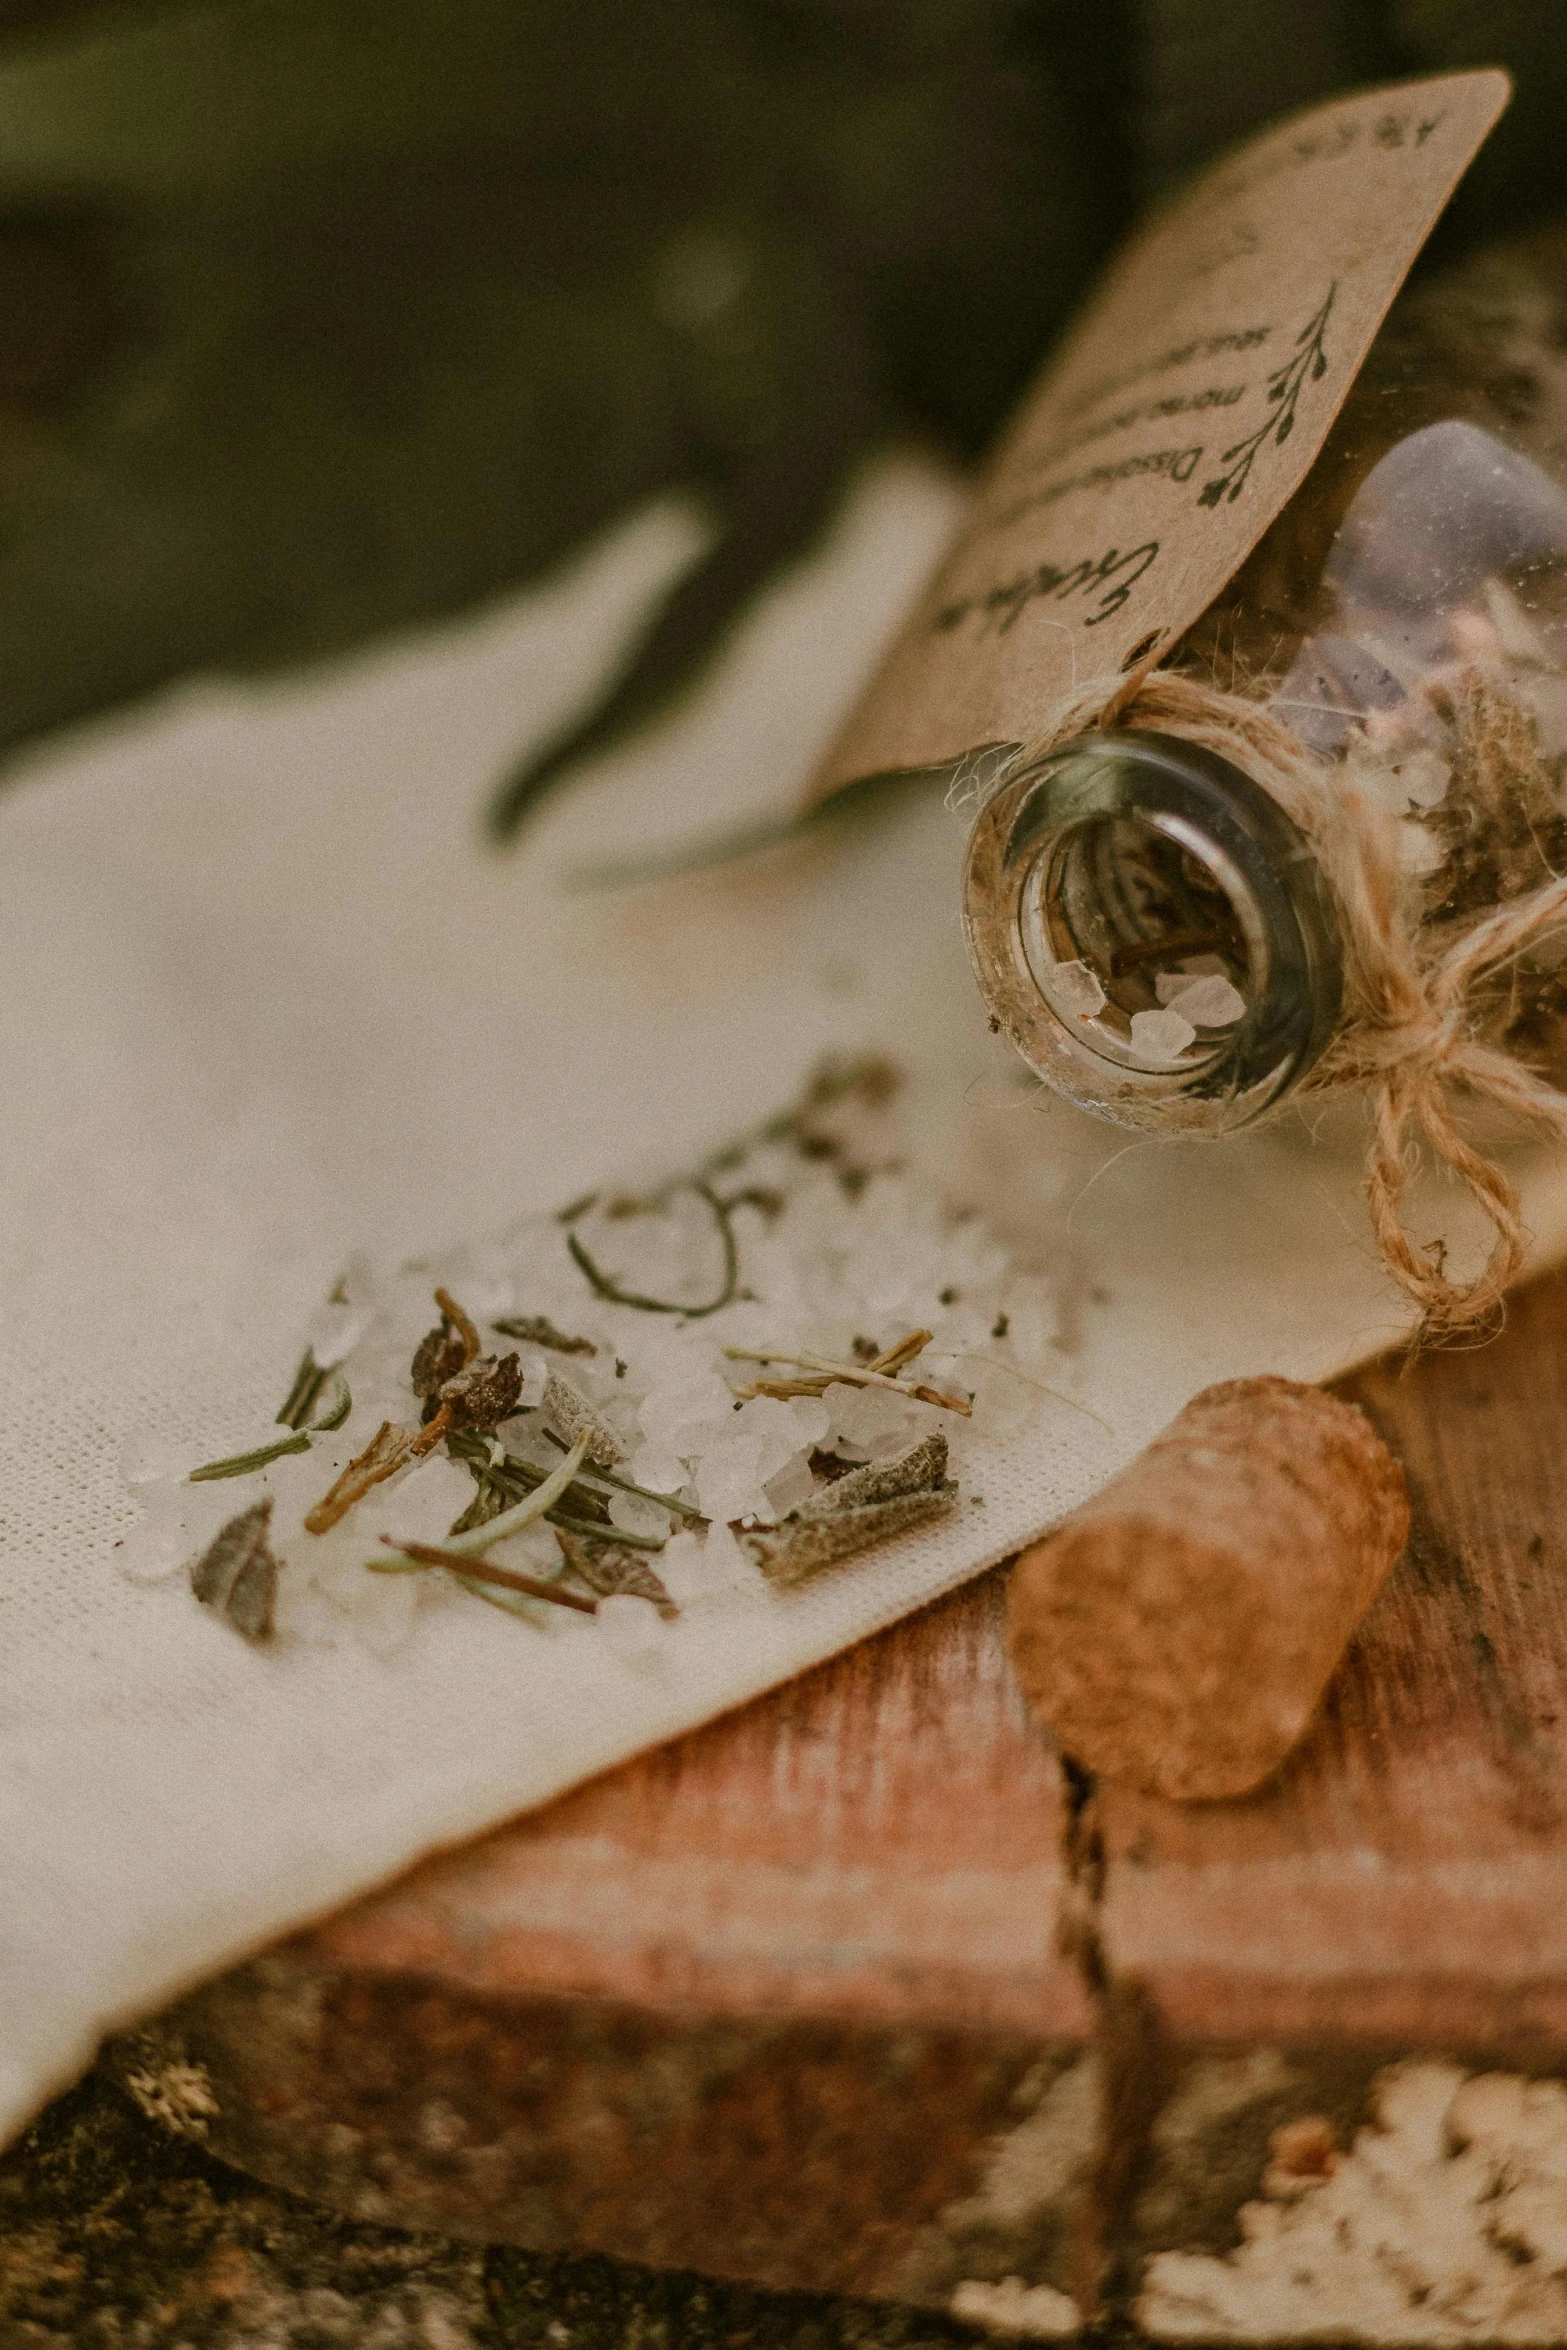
1149,926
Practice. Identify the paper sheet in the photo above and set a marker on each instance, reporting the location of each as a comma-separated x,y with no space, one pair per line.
265,995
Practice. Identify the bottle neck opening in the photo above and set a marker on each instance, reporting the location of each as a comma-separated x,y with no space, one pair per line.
1153,932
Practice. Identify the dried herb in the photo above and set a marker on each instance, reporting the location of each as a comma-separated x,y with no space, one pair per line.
673,1502
613,1570
385,1453
539,1330
300,1400
604,1287
572,1414
462,1323
510,1521
443,1352
821,1373
484,1392
594,1528
500,1483
439,1356
800,1546
867,1505
243,1464
470,1571
922,1469
391,1446
869,1079
237,1572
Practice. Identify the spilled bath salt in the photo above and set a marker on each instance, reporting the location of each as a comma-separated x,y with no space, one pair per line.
1445,2223
650,1395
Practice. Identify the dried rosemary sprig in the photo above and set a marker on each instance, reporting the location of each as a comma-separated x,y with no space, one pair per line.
501,1482
673,1502
467,1570
821,1373
479,1539
300,1400
237,1572
242,1464
604,1287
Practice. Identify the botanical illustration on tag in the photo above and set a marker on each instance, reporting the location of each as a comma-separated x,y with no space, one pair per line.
1309,364
1180,416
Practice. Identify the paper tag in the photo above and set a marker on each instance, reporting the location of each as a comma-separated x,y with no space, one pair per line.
1183,412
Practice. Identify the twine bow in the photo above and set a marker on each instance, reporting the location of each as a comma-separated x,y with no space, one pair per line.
1408,1036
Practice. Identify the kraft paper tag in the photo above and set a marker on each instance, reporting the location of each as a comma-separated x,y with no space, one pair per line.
1183,412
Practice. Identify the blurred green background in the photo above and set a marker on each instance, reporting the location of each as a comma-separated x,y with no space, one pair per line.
321,317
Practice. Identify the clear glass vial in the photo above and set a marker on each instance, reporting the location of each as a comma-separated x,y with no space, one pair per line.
1149,927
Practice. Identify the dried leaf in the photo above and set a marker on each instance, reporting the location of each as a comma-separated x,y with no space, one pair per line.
612,1571
439,1356
237,1572
799,1547
922,1469
570,1413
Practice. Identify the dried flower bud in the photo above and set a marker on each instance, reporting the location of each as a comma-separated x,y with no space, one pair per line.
485,1392
439,1356
237,1572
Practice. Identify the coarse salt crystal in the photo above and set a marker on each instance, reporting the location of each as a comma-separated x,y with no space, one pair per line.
792,1484
1208,1001
177,1522
421,1505
1074,991
1161,1036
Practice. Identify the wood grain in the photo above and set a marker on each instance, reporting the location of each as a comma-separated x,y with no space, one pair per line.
762,2002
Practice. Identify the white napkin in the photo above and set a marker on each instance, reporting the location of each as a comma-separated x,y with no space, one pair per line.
266,996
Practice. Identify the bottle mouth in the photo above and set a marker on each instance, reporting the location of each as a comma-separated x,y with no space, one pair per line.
1153,932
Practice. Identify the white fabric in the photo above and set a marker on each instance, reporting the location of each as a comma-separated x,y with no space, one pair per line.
266,995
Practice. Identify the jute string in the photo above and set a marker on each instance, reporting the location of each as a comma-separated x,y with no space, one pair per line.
1409,1032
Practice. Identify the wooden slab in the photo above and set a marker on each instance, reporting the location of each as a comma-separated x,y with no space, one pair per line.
857,1991
759,2003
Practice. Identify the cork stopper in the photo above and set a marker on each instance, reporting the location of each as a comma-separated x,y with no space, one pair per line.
1177,1631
